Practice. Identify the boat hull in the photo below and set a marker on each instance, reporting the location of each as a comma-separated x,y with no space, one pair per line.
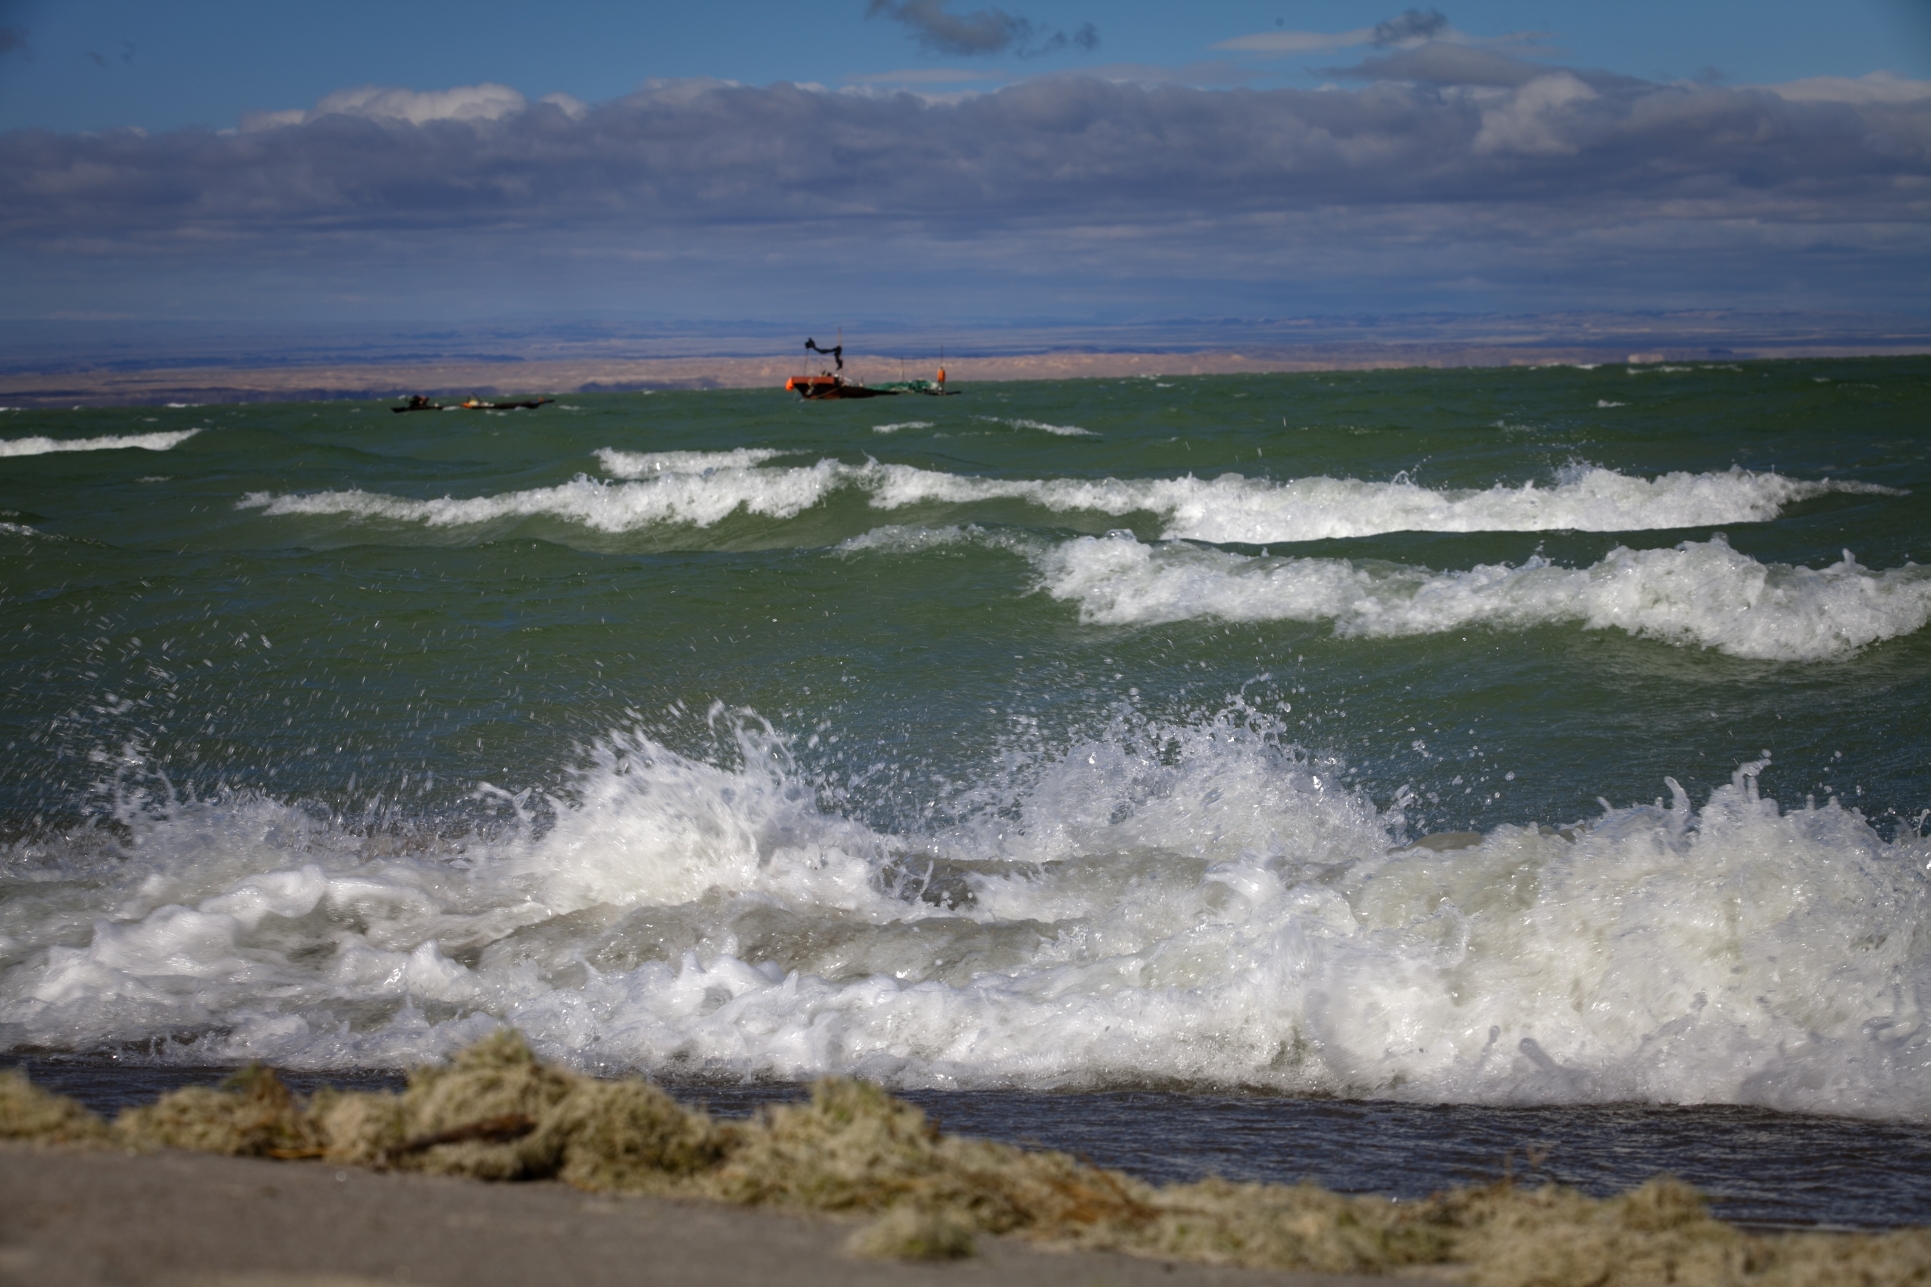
830,388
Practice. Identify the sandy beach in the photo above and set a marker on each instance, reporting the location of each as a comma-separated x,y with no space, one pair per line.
81,384
176,1219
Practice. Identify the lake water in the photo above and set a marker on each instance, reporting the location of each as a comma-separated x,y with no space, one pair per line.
1037,749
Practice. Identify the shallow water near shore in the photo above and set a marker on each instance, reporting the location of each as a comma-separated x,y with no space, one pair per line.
1760,1169
1057,752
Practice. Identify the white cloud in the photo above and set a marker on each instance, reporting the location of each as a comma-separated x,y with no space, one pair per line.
256,122
1877,87
1531,121
485,102
570,105
1487,160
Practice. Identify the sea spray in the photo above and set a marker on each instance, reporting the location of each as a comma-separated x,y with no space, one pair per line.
1196,904
1016,823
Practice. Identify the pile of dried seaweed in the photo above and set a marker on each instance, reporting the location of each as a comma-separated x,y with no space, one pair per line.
497,1113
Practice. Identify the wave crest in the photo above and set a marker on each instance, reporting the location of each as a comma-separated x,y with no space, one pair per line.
1700,593
39,446
703,488
1202,903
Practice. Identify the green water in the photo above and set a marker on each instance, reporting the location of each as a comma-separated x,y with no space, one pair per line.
1055,735
331,657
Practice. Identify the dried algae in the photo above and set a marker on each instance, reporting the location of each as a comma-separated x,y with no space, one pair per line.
31,1114
496,1112
907,1234
251,1115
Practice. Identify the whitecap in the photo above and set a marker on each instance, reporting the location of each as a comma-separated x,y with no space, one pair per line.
672,492
39,446
1699,593
1201,903
653,464
1234,508
1062,431
702,488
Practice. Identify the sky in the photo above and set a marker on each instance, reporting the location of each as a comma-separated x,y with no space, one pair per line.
956,160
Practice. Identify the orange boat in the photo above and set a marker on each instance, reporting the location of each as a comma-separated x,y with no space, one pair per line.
829,385
824,388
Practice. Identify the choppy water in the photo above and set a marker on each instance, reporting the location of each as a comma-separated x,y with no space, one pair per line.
1055,736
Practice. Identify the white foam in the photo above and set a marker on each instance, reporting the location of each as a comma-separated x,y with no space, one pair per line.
906,424
1232,508
144,441
701,488
896,539
1063,431
1700,593
653,464
1201,903
1583,499
672,492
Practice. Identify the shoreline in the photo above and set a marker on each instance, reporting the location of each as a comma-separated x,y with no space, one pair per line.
387,380
179,1219
722,1196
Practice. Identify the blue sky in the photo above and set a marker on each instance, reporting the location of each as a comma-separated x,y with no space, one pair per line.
1046,158
96,65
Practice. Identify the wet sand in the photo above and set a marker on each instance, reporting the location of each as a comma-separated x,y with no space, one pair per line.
194,1220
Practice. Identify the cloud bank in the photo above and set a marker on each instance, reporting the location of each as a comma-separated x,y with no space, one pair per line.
1448,164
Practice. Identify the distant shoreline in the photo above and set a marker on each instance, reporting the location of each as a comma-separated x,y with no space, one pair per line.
384,380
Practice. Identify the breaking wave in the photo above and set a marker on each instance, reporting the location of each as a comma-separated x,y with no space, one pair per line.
1195,904
144,441
702,488
1701,593
1061,431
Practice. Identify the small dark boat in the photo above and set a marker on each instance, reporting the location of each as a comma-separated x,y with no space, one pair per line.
476,404
419,403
